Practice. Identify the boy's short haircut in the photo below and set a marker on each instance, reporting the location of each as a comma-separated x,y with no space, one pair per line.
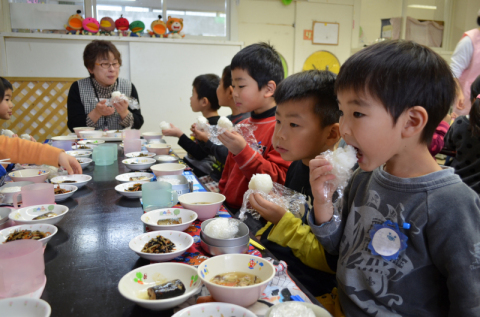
206,86
2,91
227,77
316,84
262,63
401,75
6,84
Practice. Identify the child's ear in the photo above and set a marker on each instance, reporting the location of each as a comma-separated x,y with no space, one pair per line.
230,92
204,102
415,120
333,134
269,89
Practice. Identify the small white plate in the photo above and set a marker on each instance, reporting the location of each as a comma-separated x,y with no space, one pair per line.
182,242
49,230
84,162
142,163
62,197
136,154
22,306
83,142
25,215
84,147
125,178
122,190
80,180
150,218
64,138
79,153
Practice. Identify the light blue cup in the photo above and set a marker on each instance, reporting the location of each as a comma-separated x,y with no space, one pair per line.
103,155
113,148
158,195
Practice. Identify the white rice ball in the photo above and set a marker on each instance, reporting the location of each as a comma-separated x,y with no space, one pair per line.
25,137
116,94
202,122
343,160
165,125
261,182
7,132
225,123
291,309
222,228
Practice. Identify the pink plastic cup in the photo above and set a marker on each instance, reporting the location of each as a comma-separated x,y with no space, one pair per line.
131,134
22,268
132,145
35,194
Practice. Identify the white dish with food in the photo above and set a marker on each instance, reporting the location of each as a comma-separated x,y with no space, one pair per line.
94,142
46,230
64,138
139,163
158,148
135,285
177,219
168,169
122,189
84,161
205,204
30,175
114,133
181,240
88,147
78,180
24,307
152,135
93,134
215,309
79,153
300,308
140,154
135,177
65,187
77,130
51,214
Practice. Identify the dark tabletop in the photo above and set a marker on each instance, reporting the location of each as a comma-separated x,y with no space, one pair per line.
89,255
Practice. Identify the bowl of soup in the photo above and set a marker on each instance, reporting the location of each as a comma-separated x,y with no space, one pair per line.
205,204
238,279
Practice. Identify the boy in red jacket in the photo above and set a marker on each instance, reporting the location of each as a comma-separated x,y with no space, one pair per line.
256,72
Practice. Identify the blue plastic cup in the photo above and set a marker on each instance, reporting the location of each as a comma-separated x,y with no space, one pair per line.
103,155
158,195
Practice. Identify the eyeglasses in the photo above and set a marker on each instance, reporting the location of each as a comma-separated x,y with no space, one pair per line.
107,65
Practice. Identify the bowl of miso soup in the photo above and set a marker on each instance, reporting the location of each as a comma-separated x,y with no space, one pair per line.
205,204
238,279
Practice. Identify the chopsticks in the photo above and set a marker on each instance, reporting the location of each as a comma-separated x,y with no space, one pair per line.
256,244
5,161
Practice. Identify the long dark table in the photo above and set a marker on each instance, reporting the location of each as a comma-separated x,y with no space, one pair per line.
89,255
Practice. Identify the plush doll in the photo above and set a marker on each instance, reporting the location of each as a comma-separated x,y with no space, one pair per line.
175,26
74,24
122,25
159,28
107,26
137,28
90,26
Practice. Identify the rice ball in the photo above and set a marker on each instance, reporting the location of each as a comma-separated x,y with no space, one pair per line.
343,160
225,123
291,309
25,137
202,123
7,132
222,228
165,125
116,94
261,182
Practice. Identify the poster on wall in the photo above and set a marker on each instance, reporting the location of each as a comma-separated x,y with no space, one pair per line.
325,33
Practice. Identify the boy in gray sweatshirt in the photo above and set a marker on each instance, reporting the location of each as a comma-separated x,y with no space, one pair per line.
406,230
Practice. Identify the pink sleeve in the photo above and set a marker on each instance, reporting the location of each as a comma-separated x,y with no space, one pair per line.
437,141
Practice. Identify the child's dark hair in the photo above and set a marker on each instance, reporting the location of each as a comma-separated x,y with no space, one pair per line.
206,86
227,77
401,75
6,84
475,110
316,84
2,91
262,63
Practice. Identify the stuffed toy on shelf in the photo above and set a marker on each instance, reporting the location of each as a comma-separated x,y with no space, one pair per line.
90,26
175,26
107,26
159,28
122,25
74,24
136,28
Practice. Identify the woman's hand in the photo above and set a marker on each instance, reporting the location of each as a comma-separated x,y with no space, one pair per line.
122,108
173,131
69,163
103,110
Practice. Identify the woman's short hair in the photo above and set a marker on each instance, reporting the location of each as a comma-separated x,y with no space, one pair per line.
99,49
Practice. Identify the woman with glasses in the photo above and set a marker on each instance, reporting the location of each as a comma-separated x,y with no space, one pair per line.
86,103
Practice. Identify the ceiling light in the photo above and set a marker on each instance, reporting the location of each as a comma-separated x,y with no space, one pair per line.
421,6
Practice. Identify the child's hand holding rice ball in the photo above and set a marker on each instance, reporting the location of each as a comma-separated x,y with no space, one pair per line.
330,172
